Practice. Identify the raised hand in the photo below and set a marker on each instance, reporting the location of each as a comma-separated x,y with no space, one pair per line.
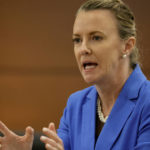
51,140
11,141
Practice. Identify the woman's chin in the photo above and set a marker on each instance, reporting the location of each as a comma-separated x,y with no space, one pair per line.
89,80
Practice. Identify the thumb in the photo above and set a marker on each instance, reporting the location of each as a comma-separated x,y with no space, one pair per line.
3,129
29,134
52,127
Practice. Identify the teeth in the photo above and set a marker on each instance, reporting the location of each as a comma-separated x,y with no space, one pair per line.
90,67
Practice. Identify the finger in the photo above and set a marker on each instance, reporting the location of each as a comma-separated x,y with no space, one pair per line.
29,134
49,147
51,134
52,127
47,140
51,142
4,129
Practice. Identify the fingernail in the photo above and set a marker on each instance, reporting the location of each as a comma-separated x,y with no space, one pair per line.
43,137
45,129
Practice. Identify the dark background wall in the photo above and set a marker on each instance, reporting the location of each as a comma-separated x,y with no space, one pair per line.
37,67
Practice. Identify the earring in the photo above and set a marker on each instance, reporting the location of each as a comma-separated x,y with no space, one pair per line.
124,55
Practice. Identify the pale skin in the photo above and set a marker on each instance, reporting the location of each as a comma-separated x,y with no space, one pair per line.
11,141
98,50
51,140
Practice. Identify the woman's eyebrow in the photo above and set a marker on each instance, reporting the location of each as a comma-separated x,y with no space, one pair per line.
94,32
75,35
91,33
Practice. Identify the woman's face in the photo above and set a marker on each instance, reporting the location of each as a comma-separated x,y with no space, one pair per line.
97,45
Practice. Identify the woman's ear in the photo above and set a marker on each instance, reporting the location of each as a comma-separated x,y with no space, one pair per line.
129,45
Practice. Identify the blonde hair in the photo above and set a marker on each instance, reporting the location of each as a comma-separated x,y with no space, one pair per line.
125,19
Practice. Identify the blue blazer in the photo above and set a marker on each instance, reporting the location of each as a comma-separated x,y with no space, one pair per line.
127,127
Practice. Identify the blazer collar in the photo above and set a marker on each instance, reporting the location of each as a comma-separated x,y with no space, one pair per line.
133,84
121,110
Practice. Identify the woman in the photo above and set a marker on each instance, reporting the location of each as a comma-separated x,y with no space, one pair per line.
114,112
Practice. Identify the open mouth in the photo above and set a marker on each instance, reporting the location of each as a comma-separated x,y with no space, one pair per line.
89,65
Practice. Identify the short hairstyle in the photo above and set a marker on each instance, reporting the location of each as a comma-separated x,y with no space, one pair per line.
125,19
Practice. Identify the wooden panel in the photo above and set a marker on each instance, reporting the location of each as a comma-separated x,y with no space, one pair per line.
35,100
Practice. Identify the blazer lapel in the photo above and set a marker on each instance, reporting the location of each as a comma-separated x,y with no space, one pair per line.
88,124
116,121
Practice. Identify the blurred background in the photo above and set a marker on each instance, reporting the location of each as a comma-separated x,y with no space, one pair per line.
38,70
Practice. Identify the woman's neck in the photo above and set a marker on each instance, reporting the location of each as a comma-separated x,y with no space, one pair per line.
108,92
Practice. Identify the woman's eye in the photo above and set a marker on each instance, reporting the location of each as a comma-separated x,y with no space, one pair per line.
76,40
97,38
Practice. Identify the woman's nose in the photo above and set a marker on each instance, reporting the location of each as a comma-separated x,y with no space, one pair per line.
85,49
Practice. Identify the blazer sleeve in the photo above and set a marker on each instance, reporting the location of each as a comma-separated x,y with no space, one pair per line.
63,130
143,140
